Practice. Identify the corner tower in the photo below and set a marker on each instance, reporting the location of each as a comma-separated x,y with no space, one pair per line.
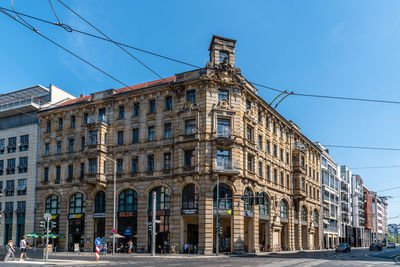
222,49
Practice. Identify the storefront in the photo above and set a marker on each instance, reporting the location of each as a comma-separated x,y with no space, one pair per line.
163,203
248,220
21,210
99,216
127,215
52,206
189,213
8,212
264,227
76,222
225,217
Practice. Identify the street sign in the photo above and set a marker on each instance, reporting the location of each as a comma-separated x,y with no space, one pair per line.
158,221
47,216
113,231
148,223
97,242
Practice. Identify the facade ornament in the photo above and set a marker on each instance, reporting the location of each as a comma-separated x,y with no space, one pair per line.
223,105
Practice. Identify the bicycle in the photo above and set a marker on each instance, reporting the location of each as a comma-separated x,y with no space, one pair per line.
397,259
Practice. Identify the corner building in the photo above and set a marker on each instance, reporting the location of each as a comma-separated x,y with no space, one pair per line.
176,136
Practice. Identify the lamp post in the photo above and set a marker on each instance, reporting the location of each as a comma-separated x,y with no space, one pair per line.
114,202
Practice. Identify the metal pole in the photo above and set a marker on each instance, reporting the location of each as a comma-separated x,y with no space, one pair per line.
114,208
47,239
153,225
217,223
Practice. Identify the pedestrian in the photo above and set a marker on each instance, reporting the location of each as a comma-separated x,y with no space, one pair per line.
130,246
10,251
22,246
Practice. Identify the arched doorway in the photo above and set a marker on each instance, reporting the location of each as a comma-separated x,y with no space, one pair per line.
304,228
284,215
52,206
163,203
190,211
248,199
225,217
76,222
99,216
264,228
127,215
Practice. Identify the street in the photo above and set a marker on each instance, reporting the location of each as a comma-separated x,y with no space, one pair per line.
358,257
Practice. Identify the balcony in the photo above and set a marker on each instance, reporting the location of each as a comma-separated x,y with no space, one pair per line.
299,193
224,137
98,119
20,106
227,167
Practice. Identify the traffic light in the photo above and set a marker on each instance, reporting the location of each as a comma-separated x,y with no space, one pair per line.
218,230
52,225
43,224
150,228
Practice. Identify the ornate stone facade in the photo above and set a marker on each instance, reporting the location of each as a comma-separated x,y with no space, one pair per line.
176,136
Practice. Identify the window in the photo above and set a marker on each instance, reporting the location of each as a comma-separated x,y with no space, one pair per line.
48,126
24,142
1,168
135,136
188,158
324,162
260,144
21,188
268,173
282,182
93,166
10,166
72,125
93,138
60,124
46,149
71,145
225,195
249,132
275,176
287,181
135,165
248,199
77,204
152,106
263,204
58,152
23,165
100,202
281,154
250,163
58,173
46,174
52,205
9,188
248,105
275,151
82,143
223,57
2,145
223,159
223,127
287,157
303,214
150,163
260,169
102,115
120,137
325,177
191,96
70,172
85,118
150,133
190,197
121,112
82,170
168,103
267,122
260,118
136,109
167,130
303,184
12,144
303,163
284,210
190,126
223,94
127,201
316,218
268,146
167,161
120,166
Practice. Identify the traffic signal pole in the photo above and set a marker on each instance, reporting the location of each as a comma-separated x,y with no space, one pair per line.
153,225
47,239
217,223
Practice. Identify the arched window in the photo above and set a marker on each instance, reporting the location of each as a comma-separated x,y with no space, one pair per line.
303,214
52,205
248,199
284,209
316,217
77,204
263,204
225,197
190,197
100,202
127,200
163,200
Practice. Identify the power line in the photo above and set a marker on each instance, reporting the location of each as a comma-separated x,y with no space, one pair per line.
65,49
364,147
388,189
376,167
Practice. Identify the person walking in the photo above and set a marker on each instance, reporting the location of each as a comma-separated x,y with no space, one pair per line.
10,250
130,246
22,246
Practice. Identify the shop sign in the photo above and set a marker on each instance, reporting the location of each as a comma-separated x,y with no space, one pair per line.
223,212
54,216
75,216
159,213
126,214
263,217
99,215
189,211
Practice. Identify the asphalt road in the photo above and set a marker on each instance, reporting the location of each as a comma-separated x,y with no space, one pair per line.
358,257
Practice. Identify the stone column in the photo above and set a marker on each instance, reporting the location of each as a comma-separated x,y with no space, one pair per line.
142,232
63,224
292,245
237,224
88,230
256,235
206,223
175,221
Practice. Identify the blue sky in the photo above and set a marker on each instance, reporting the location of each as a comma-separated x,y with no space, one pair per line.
346,48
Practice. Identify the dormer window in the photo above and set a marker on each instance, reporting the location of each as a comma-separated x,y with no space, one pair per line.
223,57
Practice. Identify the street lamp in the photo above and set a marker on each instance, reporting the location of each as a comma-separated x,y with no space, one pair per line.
114,204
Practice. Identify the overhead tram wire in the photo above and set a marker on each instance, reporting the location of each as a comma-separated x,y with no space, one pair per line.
364,147
195,66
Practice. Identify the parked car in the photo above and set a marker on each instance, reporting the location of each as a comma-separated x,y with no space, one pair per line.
391,245
343,247
375,246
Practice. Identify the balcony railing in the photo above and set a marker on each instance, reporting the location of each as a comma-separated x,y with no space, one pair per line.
21,103
98,119
225,166
224,133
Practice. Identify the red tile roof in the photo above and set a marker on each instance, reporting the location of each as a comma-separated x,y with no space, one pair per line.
120,90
